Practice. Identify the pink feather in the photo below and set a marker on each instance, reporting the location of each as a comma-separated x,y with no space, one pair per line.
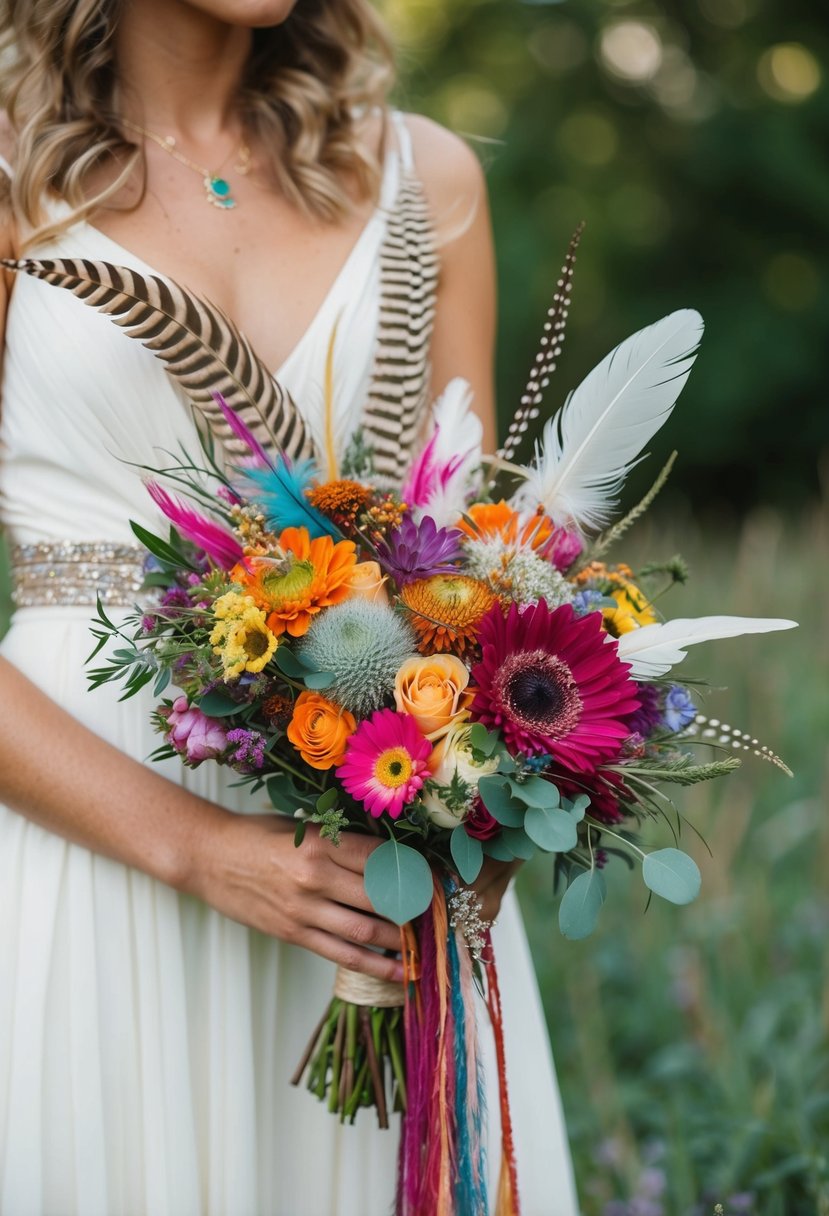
241,431
220,545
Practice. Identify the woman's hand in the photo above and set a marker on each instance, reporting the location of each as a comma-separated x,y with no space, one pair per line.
491,885
249,869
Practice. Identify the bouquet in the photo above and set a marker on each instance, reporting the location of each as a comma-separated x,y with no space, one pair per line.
454,665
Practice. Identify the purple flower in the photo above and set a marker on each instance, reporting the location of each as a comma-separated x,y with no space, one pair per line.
415,551
148,623
250,748
175,597
649,715
193,734
679,709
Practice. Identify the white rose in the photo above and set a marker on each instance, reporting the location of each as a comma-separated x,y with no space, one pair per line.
452,757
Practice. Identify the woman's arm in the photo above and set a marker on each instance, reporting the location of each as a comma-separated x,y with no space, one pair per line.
80,787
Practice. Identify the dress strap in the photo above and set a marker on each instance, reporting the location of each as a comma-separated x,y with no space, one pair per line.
404,141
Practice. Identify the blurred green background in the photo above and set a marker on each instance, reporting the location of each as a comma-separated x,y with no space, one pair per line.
691,135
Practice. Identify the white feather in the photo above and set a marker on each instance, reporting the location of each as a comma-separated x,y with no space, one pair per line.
459,430
459,433
591,444
654,649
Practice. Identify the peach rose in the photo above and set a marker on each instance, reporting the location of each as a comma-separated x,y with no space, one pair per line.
319,730
368,582
432,691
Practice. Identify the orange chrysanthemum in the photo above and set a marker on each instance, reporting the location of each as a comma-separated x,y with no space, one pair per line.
446,610
340,499
313,574
498,519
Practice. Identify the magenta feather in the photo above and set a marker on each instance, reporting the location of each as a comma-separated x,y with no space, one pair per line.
220,545
241,431
429,474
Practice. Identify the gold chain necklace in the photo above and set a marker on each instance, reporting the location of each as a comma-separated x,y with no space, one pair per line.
216,188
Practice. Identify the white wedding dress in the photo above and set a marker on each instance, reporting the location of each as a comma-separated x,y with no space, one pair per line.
146,1041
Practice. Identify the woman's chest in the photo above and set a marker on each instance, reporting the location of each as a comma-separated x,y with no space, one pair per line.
266,266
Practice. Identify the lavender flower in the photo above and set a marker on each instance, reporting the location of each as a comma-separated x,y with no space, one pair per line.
414,551
679,710
250,749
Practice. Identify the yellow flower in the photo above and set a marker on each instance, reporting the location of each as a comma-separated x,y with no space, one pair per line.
632,611
241,636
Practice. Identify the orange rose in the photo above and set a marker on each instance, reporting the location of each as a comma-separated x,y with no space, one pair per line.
319,730
432,690
368,582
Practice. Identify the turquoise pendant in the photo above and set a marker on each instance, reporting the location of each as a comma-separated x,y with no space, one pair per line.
218,192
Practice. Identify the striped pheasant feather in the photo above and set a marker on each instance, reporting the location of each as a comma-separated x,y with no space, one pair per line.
200,347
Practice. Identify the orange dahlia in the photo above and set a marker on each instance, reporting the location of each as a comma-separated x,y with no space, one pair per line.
291,589
446,610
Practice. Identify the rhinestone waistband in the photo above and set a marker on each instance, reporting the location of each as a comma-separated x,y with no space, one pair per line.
76,573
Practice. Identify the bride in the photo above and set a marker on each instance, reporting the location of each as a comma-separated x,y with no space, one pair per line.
162,943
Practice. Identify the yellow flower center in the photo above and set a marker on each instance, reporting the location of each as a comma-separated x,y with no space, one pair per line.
286,585
393,767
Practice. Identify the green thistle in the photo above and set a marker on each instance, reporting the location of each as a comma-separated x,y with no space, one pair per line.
363,645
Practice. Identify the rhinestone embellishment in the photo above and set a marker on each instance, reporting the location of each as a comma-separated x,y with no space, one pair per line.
76,572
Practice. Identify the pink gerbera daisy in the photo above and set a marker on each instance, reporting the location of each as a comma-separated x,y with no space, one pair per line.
385,762
553,684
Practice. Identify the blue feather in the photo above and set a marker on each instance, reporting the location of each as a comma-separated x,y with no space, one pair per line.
281,493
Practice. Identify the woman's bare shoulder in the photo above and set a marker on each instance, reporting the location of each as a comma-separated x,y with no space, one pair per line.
450,171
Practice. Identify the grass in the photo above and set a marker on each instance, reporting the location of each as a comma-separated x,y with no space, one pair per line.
691,1043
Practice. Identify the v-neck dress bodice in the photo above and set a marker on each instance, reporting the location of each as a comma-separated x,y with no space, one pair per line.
81,402
146,1042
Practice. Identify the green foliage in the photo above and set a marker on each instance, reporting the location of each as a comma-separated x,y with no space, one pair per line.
580,906
673,875
398,881
467,853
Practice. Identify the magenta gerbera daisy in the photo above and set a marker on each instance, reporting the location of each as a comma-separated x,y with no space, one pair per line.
554,685
385,762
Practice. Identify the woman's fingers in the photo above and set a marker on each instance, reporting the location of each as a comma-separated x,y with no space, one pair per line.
351,853
356,928
355,958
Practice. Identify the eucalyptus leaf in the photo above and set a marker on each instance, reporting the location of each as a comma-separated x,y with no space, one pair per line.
497,798
318,679
288,663
217,705
497,848
577,807
398,882
519,842
553,830
581,904
535,791
328,800
673,875
481,739
467,853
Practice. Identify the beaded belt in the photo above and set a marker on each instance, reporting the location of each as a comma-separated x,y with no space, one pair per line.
76,572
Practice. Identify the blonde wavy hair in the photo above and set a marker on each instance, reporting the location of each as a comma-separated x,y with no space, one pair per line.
305,84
